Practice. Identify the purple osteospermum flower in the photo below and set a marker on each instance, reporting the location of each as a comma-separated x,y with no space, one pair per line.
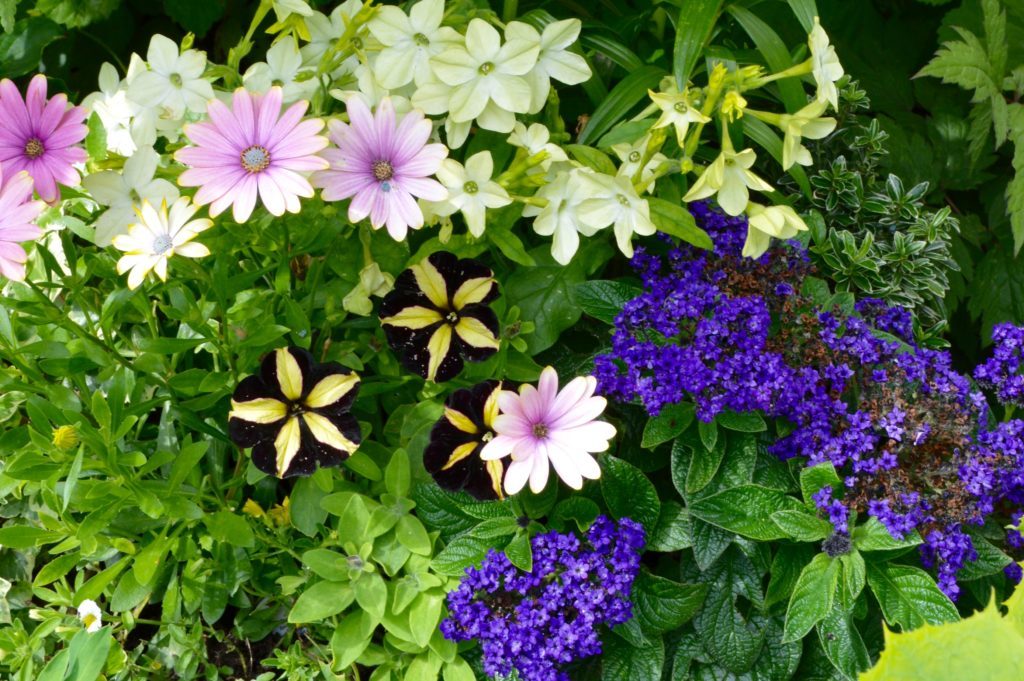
383,168
17,211
40,135
250,150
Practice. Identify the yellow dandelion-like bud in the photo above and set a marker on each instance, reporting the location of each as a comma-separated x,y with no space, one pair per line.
733,105
66,438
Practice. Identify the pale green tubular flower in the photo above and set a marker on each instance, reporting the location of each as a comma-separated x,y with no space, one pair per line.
554,59
534,140
616,203
825,64
559,217
765,222
729,177
486,77
409,42
677,111
807,122
471,190
632,155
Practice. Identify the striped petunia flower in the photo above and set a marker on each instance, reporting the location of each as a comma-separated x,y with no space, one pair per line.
437,316
295,414
453,453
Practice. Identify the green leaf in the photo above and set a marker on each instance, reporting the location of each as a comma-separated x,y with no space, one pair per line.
304,511
662,605
745,510
696,21
743,422
579,509
852,582
842,643
424,615
320,601
371,593
788,563
197,16
87,654
463,551
351,637
801,525
673,532
56,568
623,98
622,661
412,535
96,140
872,536
805,11
709,542
21,49
704,465
228,527
458,670
147,561
8,8
629,493
668,424
812,597
520,553
775,54
592,158
26,537
397,475
675,220
814,478
909,596
325,563
603,299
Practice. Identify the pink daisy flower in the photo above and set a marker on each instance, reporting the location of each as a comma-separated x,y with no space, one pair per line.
382,167
541,425
17,211
250,150
39,135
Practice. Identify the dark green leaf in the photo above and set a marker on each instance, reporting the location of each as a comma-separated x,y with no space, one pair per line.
621,661
603,299
22,49
909,596
624,97
696,21
843,644
673,532
629,493
672,421
812,597
745,510
662,604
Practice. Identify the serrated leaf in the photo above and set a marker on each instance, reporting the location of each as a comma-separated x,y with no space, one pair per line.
629,493
463,551
909,596
812,597
622,661
603,299
745,510
662,605
673,532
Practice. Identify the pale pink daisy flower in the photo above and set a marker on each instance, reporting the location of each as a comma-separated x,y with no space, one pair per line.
382,166
17,211
250,150
541,425
40,135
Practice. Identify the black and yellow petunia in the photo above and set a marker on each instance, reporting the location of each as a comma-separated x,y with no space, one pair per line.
437,316
453,454
294,414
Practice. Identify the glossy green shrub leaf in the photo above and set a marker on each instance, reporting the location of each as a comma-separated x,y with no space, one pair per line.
629,493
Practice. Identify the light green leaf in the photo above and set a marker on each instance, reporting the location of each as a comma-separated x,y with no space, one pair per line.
812,597
320,601
909,596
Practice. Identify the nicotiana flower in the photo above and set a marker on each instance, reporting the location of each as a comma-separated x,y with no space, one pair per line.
471,190
765,222
534,140
157,236
409,42
456,440
17,213
677,111
295,414
117,113
41,136
554,60
324,32
437,316
250,150
174,80
487,77
825,64
807,122
543,425
122,191
91,615
615,202
383,167
632,154
560,216
284,62
729,177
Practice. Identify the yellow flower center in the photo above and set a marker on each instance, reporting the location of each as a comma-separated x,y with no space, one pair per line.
34,147
383,170
540,430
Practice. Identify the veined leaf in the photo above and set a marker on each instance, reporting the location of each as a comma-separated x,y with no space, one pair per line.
696,21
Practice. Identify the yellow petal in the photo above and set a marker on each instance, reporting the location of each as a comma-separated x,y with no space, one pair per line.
491,407
472,291
437,349
495,469
287,445
289,376
460,420
331,389
413,317
326,432
474,332
460,453
431,283
260,410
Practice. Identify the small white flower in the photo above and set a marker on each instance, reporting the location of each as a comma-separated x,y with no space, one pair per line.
729,177
284,62
560,217
114,110
676,110
409,42
765,222
824,64
125,190
157,236
486,77
804,123
174,79
554,59
324,31
91,615
632,154
534,140
616,203
285,8
470,190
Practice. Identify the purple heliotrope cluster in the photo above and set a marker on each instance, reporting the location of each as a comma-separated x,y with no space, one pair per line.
534,623
1002,372
908,434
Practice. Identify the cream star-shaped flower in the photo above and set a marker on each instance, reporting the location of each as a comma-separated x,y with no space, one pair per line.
765,222
409,42
616,203
471,190
806,122
730,178
676,111
825,64
554,59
